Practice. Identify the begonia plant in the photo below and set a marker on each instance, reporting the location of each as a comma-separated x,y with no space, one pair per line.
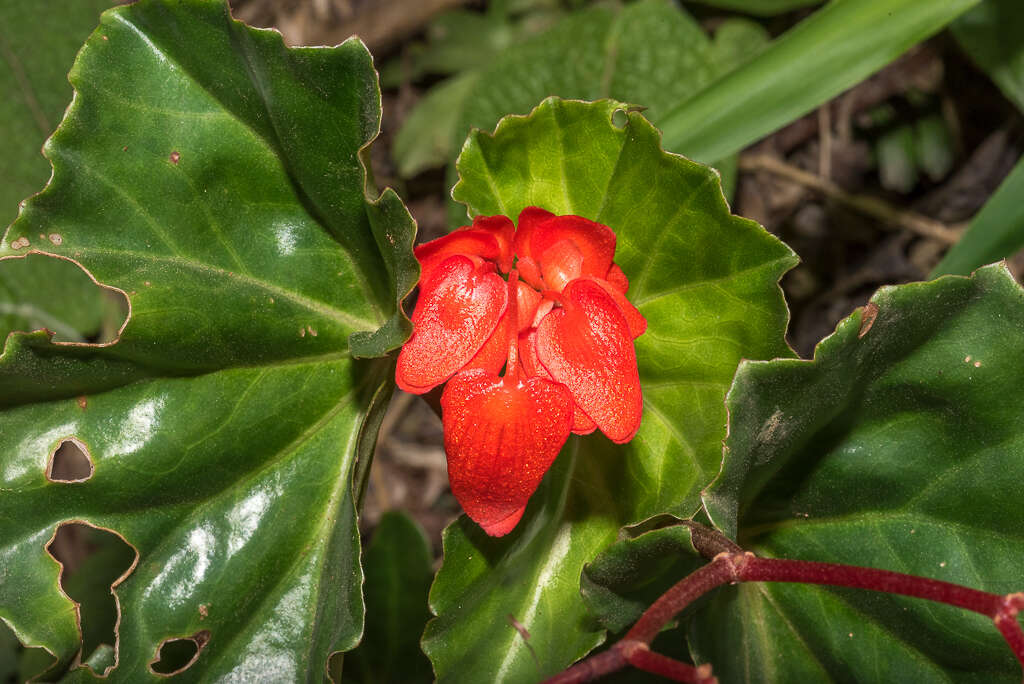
626,428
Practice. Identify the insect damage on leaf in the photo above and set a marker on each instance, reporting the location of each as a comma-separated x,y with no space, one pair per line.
177,654
93,562
70,462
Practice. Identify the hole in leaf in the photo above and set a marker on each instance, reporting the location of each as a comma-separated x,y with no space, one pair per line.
620,118
175,655
42,291
94,561
335,666
70,463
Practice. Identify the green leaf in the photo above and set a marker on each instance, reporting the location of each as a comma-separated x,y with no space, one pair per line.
830,51
425,138
530,578
990,33
462,40
649,53
398,571
33,662
214,176
899,446
707,283
995,232
102,658
458,40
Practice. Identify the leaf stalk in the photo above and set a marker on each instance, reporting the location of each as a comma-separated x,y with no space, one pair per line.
733,566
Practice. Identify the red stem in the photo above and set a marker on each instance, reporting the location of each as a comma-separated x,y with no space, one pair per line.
732,566
642,658
699,582
809,572
592,668
1002,610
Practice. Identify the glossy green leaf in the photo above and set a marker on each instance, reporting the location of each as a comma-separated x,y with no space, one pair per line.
830,51
990,33
900,446
397,564
214,176
995,232
706,282
649,53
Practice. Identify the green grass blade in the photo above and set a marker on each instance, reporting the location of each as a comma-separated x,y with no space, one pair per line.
997,231
830,51
990,35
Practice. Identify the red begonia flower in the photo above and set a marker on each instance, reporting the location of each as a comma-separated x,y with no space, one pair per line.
562,328
501,434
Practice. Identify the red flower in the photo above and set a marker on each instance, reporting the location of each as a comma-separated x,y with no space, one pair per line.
558,323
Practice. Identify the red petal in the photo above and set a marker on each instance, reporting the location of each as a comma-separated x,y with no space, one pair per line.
527,300
586,346
528,356
503,231
542,310
529,219
530,272
469,242
490,238
561,263
458,310
636,321
595,242
493,354
500,439
581,422
617,278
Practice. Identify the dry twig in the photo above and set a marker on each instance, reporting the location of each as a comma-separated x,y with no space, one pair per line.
869,206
